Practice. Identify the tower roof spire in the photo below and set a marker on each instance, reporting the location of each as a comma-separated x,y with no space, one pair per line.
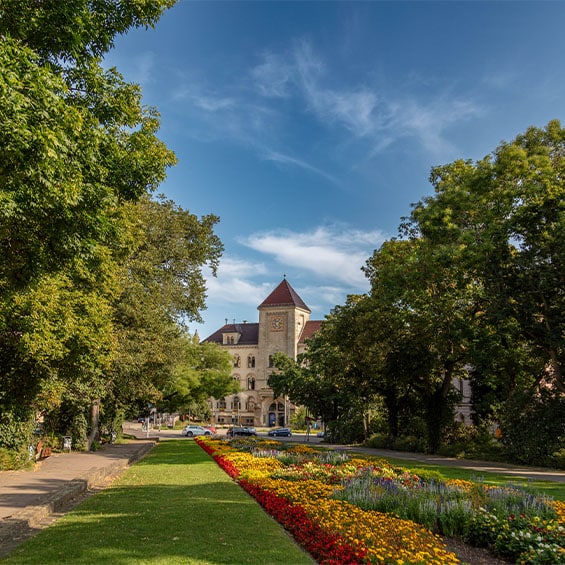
284,295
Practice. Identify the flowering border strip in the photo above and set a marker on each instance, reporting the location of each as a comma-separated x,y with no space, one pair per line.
328,549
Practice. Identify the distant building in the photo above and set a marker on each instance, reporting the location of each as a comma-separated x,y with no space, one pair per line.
284,325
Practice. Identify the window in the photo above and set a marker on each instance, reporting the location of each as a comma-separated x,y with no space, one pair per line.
250,383
236,360
222,404
251,361
236,403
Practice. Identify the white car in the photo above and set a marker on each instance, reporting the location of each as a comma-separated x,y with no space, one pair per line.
191,431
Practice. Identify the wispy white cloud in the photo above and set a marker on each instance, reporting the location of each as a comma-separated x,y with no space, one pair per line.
273,77
331,253
277,157
366,111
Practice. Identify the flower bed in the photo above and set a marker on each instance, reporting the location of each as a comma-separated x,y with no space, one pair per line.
362,510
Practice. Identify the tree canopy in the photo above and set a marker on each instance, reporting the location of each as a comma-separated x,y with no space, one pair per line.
97,279
473,288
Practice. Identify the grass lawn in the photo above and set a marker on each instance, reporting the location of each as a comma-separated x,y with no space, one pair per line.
550,488
175,506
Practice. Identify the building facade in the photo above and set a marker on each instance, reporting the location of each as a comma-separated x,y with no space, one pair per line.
284,325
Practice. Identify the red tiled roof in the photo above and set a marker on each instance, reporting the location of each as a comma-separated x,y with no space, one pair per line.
310,328
284,295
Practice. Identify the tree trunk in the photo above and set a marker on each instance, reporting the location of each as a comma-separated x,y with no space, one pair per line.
94,422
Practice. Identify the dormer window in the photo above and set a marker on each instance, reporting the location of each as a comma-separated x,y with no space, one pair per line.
231,338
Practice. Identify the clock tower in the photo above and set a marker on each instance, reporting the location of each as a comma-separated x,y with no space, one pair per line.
282,317
284,327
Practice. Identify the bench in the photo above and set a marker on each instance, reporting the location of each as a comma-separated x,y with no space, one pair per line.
41,451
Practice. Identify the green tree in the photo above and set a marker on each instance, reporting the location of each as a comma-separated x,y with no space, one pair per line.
161,288
72,33
76,144
204,373
504,217
429,305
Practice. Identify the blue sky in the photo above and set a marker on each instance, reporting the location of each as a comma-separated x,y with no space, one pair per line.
310,128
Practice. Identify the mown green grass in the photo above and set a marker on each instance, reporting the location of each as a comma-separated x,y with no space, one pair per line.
175,506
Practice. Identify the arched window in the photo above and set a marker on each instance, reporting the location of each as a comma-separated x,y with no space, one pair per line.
236,361
251,383
236,403
251,361
222,404
250,405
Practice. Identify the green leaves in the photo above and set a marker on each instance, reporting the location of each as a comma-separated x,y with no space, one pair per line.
96,280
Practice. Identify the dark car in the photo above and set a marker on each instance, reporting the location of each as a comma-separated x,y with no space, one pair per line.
280,432
241,431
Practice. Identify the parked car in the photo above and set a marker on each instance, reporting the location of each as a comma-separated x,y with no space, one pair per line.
191,431
280,432
211,428
321,434
241,431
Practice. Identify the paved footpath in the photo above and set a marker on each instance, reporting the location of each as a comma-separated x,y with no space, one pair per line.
480,467
29,498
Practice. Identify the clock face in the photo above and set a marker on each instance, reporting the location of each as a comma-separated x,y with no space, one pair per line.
277,323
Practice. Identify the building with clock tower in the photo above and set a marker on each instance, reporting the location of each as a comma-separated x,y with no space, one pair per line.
284,326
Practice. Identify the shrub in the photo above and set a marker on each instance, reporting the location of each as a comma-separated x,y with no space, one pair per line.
410,443
12,459
533,427
380,441
557,459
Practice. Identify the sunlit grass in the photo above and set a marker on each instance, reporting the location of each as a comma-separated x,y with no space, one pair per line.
175,506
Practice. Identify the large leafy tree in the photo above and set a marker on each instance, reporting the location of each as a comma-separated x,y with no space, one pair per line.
161,288
76,144
429,305
504,219
205,372
506,215
331,378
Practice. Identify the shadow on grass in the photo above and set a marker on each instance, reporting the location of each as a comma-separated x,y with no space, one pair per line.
176,514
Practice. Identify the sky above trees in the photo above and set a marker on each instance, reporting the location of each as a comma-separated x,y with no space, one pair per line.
311,127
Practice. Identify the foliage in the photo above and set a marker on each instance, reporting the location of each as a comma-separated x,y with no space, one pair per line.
471,289
16,435
162,287
526,418
364,500
504,219
77,31
69,419
96,278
